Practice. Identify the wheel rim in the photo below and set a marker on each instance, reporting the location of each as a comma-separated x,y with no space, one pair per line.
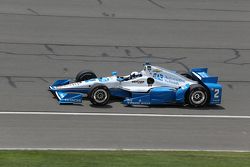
198,97
100,95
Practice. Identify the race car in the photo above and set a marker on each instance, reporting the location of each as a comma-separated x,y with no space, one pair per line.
152,86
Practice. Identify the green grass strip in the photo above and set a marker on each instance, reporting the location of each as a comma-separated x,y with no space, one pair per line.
123,159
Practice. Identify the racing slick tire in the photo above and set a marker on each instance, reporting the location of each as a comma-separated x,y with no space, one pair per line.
197,96
85,75
187,75
99,95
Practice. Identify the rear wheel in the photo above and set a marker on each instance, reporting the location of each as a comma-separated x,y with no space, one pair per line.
85,75
99,95
197,96
187,75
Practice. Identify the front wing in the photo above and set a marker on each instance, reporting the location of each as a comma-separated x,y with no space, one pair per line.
66,96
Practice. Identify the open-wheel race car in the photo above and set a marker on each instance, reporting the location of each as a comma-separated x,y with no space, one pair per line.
152,86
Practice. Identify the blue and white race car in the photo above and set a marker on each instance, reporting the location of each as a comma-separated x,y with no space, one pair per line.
152,86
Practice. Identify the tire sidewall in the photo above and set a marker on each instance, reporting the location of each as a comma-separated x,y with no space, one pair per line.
94,89
193,91
85,75
187,75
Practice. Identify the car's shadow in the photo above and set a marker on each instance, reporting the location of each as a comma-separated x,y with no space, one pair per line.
184,107
106,106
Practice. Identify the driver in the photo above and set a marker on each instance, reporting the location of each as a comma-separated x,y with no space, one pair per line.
135,74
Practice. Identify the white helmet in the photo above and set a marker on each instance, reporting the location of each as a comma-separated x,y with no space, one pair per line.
134,74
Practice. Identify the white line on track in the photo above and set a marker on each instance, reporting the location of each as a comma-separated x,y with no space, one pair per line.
128,115
116,149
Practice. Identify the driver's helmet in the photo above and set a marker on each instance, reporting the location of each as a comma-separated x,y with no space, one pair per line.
134,74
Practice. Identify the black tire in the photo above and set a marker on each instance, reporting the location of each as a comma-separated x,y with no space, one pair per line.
99,95
187,75
85,75
197,96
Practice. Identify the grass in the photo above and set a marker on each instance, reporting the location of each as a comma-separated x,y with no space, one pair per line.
122,159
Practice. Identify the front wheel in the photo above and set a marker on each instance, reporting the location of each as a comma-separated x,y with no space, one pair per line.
85,75
99,95
197,96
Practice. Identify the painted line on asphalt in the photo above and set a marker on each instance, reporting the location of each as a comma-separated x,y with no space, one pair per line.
114,149
128,115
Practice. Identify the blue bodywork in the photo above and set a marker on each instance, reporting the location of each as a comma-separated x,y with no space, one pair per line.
209,82
155,95
166,95
70,96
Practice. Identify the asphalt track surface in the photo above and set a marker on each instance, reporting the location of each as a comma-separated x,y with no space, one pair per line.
41,41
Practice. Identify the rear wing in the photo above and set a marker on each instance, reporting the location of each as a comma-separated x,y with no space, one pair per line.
203,76
210,82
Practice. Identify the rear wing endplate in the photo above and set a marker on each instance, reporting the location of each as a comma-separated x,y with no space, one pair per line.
202,75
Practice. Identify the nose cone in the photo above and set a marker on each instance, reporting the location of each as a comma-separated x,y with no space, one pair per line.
52,88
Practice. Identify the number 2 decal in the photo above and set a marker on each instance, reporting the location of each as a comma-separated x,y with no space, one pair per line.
216,93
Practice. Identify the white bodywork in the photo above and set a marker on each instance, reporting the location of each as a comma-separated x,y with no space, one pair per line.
162,77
